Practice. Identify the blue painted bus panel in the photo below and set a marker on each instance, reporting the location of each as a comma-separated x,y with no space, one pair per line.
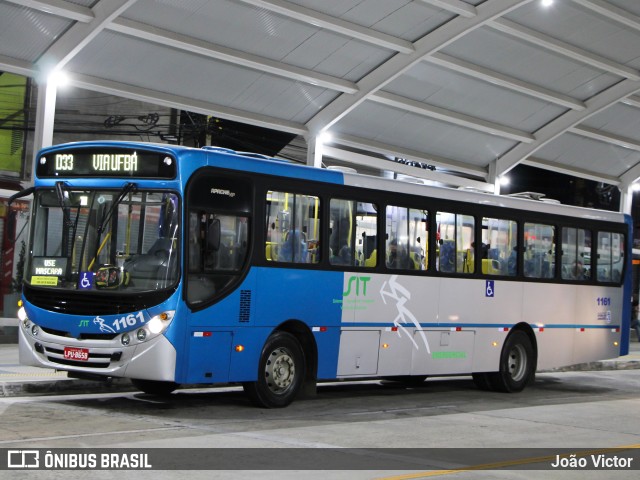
208,357
283,295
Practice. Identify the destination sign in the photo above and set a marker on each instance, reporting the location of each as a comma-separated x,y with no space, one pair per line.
106,163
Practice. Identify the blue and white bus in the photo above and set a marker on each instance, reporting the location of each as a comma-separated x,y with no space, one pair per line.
179,266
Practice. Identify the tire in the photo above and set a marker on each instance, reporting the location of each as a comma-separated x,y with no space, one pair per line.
154,387
517,364
280,372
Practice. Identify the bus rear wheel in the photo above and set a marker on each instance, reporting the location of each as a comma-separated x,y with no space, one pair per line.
517,364
280,372
154,387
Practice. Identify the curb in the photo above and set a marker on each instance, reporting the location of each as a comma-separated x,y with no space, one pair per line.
597,366
63,387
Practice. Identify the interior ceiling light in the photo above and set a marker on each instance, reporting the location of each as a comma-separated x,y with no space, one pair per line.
546,3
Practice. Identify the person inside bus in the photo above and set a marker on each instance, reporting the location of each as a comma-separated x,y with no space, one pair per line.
398,257
294,248
512,262
578,271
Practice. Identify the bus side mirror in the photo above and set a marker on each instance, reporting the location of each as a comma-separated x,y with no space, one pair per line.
213,235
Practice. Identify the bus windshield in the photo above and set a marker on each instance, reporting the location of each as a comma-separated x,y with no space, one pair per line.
109,240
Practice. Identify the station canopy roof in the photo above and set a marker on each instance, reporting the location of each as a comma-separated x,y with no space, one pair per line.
471,87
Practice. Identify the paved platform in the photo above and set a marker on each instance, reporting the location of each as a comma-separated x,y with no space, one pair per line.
20,380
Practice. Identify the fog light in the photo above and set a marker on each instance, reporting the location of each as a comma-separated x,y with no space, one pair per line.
26,324
141,334
35,330
125,339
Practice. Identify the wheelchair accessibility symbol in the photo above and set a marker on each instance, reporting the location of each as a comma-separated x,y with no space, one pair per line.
489,291
86,281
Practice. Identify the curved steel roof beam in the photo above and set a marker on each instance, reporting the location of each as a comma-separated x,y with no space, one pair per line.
225,54
559,47
566,122
449,116
68,45
399,64
176,101
611,12
454,6
337,25
59,8
505,81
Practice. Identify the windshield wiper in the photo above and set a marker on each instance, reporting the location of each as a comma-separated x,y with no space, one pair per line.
108,214
63,200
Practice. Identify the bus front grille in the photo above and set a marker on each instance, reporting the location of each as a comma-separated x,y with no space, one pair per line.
96,360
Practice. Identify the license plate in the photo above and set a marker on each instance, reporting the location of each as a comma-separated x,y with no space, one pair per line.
81,354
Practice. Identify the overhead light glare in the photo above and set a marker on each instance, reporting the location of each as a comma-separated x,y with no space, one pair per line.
635,187
504,180
546,3
325,137
58,78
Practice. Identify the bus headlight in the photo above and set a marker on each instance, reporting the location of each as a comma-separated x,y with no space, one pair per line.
155,326
151,329
22,314
158,324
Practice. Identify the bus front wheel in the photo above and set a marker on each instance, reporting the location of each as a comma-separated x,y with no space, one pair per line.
280,372
517,364
154,387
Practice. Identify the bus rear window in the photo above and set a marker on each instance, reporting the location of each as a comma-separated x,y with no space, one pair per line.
610,256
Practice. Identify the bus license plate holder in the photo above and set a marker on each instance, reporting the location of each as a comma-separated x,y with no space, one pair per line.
77,354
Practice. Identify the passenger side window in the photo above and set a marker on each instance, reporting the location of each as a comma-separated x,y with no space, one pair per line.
406,238
499,250
540,250
610,257
352,233
576,254
293,225
455,234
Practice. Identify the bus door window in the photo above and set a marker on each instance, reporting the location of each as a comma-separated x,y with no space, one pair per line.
455,234
293,226
406,236
610,257
352,233
499,247
539,251
576,254
217,252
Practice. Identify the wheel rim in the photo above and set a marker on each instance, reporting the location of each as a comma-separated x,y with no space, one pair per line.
280,370
517,363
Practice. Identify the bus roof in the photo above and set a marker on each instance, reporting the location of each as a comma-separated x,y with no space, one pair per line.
276,166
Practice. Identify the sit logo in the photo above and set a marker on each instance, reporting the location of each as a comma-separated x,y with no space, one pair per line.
358,281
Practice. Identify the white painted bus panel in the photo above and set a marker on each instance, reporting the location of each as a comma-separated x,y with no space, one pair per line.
450,352
358,352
